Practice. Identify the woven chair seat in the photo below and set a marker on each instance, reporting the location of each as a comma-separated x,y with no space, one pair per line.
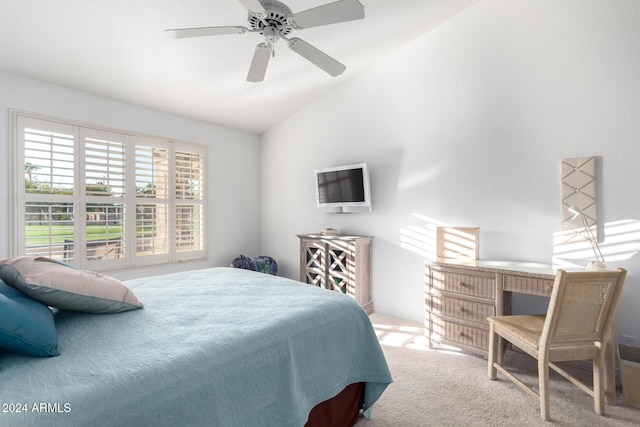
522,331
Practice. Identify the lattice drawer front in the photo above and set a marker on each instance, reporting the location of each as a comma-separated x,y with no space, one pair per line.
464,284
461,334
462,309
527,285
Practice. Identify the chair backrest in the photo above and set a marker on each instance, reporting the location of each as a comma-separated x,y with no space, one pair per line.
583,306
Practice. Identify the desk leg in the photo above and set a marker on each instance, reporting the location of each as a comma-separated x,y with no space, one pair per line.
503,298
503,308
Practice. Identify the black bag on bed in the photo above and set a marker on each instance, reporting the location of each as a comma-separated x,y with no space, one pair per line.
262,264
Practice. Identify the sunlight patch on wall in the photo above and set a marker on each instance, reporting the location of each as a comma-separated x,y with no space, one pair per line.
421,238
622,241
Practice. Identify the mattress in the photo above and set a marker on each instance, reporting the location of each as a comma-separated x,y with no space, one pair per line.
220,346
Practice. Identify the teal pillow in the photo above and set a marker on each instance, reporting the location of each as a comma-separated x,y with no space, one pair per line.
26,325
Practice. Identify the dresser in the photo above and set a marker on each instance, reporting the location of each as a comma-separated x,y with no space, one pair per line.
459,296
338,262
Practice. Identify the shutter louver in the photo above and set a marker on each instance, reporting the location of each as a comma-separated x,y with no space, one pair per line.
49,162
104,168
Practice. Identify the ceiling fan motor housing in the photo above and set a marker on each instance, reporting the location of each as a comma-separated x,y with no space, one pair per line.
277,16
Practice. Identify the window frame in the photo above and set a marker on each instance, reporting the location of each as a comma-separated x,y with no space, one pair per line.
128,197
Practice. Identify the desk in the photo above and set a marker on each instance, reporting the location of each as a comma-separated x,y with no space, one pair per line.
459,296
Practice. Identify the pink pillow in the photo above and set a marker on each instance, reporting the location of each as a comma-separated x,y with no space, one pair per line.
60,285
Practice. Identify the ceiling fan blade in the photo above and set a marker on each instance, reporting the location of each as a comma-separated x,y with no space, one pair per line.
253,5
181,33
316,56
259,63
331,13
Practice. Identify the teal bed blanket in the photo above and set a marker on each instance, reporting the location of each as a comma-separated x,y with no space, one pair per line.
212,347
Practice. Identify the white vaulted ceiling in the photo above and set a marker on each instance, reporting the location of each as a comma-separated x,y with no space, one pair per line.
117,49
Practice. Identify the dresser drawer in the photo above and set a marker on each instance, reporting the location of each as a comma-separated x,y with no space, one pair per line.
460,334
527,285
465,284
462,309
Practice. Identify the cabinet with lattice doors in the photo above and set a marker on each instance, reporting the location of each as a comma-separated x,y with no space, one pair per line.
340,263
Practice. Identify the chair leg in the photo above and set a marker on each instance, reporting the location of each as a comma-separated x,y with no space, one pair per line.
598,382
493,351
543,391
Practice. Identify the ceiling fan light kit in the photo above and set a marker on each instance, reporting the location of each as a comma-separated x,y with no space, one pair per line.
274,20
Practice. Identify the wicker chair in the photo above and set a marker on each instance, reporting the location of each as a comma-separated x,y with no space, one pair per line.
578,325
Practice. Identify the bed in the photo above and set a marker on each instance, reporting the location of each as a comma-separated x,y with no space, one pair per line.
216,347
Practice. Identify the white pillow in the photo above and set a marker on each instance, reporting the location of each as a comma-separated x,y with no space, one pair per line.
62,286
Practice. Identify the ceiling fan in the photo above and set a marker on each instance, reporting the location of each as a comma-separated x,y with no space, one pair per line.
274,20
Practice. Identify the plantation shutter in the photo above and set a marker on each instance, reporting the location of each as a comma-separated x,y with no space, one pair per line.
103,160
189,197
47,204
101,199
152,200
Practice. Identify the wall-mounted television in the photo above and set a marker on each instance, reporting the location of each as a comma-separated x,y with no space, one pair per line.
343,189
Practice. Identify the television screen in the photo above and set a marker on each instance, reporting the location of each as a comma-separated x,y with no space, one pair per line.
343,186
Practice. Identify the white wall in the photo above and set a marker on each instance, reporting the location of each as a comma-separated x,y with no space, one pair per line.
467,126
234,206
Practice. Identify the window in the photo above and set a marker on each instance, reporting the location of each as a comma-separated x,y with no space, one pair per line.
103,199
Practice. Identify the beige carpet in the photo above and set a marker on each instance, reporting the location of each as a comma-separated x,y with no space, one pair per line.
446,388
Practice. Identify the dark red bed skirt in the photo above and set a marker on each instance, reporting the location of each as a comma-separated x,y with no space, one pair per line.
342,410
